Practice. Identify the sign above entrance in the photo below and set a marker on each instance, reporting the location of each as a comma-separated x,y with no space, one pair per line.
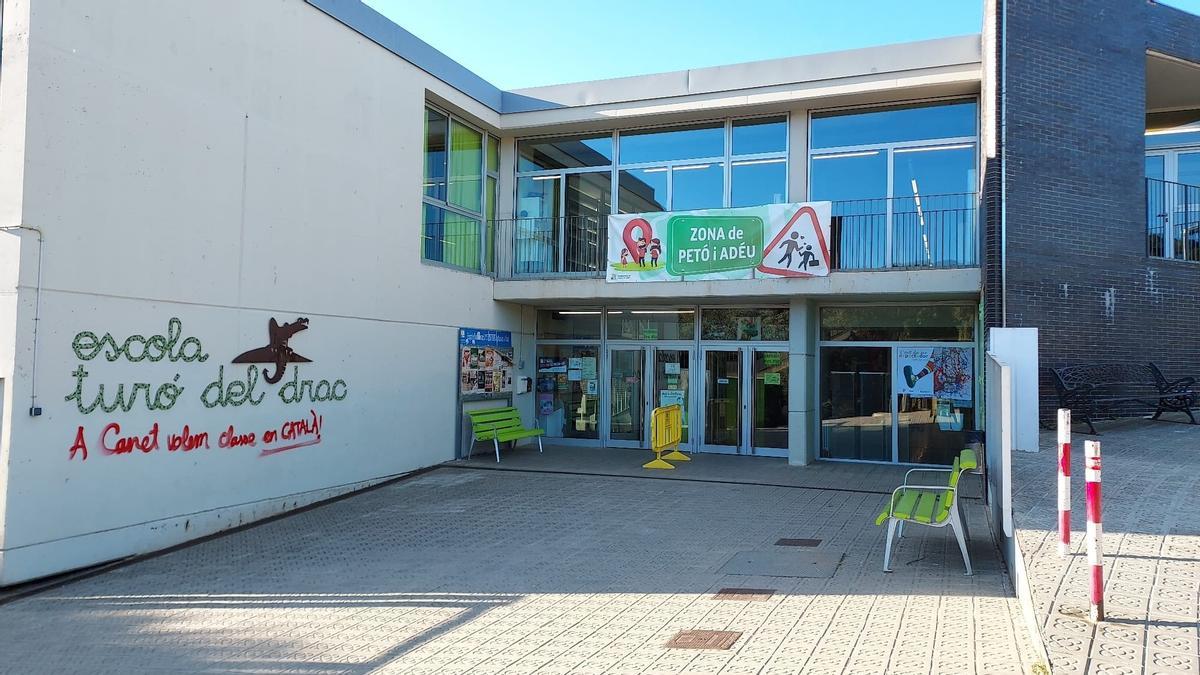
755,242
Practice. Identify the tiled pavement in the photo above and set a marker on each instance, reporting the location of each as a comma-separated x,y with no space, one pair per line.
462,570
1151,501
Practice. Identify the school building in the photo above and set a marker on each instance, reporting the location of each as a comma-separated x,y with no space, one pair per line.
256,255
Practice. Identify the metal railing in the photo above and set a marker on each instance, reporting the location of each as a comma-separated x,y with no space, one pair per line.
1172,220
531,248
903,232
930,231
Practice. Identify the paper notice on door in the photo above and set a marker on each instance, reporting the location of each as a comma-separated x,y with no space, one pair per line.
671,397
671,368
587,367
574,375
771,378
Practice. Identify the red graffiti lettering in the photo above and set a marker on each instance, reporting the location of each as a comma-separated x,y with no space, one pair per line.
80,446
127,444
186,440
231,439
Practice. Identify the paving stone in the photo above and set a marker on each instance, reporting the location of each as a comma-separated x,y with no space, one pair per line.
1152,556
462,570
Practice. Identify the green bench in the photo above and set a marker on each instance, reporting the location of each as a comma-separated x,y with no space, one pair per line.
500,425
930,505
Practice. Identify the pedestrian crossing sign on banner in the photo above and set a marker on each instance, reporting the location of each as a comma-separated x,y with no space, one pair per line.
799,247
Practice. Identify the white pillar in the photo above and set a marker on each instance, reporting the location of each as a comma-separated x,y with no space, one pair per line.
802,379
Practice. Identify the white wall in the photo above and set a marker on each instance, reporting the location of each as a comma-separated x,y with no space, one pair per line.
1018,349
225,164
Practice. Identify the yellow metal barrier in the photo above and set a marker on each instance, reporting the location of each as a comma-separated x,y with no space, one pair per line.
666,432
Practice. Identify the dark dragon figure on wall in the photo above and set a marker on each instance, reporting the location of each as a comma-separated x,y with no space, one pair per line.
277,350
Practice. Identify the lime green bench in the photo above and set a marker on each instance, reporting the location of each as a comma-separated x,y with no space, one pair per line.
930,505
500,425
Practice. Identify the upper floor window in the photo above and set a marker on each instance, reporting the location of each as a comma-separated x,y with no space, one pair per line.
459,186
903,182
1173,193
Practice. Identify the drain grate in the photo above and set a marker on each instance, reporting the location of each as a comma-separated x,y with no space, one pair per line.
704,639
744,594
799,542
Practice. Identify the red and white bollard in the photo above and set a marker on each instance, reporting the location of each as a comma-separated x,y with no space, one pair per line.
1064,482
1095,532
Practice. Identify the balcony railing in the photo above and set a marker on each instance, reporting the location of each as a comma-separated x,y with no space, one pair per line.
933,231
1172,220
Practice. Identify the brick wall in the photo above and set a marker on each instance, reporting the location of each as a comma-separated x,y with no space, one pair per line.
1075,198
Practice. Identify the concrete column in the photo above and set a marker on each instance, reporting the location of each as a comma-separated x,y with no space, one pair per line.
802,382
798,155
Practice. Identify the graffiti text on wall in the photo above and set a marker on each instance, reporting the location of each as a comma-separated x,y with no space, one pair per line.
230,389
113,440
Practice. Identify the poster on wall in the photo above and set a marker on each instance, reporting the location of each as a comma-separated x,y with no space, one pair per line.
485,361
936,372
754,242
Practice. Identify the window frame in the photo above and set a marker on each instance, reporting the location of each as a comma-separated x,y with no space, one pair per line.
890,148
446,204
726,159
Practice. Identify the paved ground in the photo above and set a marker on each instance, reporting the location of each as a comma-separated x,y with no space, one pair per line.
1151,499
463,570
880,478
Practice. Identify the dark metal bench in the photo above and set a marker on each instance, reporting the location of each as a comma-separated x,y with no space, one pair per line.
1111,390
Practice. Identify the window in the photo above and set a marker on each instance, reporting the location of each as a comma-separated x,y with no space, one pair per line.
919,122
905,175
566,152
568,324
652,324
665,145
568,185
955,323
744,324
459,192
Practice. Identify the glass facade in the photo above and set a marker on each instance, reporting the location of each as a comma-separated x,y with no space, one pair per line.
744,324
651,324
459,186
897,383
903,182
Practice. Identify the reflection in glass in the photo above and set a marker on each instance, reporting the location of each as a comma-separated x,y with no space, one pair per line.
652,324
1156,167
857,184
856,416
933,210
723,397
759,181
535,236
932,430
906,123
744,324
588,203
764,134
665,145
770,400
625,395
924,323
565,407
699,186
568,324
564,152
493,154
435,154
642,190
450,238
466,164
672,368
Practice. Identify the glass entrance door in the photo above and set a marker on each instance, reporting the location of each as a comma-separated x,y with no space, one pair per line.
672,384
723,402
769,404
746,401
856,410
627,397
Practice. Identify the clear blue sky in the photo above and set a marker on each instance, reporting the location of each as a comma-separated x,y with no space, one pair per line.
525,43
